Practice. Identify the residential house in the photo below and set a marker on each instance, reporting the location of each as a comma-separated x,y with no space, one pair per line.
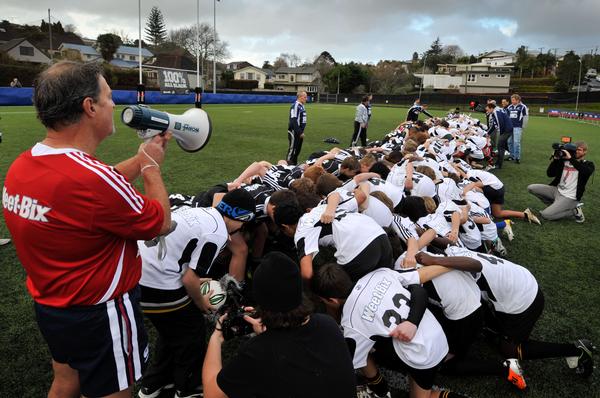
270,74
23,50
303,78
498,58
128,56
479,78
233,66
251,73
79,52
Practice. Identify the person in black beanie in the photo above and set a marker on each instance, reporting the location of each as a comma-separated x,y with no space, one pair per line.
295,353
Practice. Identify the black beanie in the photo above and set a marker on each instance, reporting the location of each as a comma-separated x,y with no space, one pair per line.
277,284
237,205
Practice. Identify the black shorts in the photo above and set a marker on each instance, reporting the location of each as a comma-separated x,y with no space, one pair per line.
385,355
105,343
377,254
495,196
462,333
518,327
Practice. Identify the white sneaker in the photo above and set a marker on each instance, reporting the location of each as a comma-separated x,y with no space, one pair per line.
153,393
499,248
529,216
4,242
508,231
578,213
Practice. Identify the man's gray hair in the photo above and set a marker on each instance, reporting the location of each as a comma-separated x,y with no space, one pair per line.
60,90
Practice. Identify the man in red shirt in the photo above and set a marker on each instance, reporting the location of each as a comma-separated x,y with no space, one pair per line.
75,222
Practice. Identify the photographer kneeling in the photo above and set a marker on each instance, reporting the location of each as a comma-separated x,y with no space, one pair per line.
571,173
295,354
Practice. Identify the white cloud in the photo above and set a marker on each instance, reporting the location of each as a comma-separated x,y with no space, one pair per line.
505,26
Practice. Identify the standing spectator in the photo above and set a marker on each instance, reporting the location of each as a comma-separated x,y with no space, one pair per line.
499,123
519,116
369,106
415,110
571,173
15,83
361,119
75,222
296,125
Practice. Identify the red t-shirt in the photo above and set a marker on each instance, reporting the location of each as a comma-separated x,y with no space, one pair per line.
74,222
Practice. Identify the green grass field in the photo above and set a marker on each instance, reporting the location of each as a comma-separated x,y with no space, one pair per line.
560,254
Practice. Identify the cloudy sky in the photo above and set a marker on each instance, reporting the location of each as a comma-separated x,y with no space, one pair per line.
351,30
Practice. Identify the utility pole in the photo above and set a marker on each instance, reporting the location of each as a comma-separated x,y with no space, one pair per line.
578,86
140,41
422,76
214,46
50,35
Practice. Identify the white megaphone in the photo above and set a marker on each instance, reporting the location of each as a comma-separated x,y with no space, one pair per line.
191,130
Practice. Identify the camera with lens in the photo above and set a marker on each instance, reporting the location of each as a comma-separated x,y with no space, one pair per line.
234,325
565,144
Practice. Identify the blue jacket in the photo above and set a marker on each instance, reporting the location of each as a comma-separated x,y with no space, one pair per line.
297,121
499,121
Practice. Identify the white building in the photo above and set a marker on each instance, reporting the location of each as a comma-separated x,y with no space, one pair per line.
83,52
440,82
23,50
498,58
251,73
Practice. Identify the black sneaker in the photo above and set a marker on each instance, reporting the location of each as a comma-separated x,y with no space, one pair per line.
147,392
197,393
584,363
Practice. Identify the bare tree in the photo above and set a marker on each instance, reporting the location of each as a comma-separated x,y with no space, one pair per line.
204,47
453,51
285,59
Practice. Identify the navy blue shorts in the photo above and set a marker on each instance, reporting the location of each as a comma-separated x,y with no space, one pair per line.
106,343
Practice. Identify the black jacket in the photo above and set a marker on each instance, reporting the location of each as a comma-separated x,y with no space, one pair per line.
584,167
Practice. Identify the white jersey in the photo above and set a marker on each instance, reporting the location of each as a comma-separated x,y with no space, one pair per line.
378,211
422,185
432,164
397,174
347,200
488,231
487,178
441,220
510,287
394,192
475,196
447,190
379,302
199,237
455,292
349,233
404,228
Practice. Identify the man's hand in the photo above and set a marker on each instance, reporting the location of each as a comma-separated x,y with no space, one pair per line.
567,154
453,236
425,259
153,151
256,323
404,332
327,217
409,262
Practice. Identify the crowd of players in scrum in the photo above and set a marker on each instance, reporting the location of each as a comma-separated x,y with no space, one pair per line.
413,221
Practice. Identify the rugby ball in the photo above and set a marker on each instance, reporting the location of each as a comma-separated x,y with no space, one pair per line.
218,296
